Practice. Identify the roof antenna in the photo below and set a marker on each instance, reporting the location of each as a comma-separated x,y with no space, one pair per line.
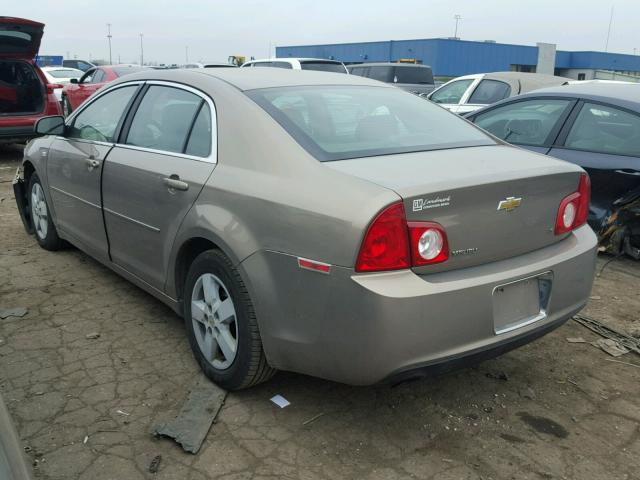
606,45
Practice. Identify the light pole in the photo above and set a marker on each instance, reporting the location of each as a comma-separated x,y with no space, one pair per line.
109,38
457,18
141,51
186,53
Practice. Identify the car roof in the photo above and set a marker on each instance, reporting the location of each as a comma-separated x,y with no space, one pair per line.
625,94
255,78
386,64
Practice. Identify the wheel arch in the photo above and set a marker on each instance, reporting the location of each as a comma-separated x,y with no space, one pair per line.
185,251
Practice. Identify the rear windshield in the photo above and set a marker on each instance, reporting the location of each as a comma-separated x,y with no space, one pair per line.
120,71
341,122
414,75
323,66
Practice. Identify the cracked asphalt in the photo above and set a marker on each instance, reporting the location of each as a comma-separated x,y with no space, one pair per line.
84,407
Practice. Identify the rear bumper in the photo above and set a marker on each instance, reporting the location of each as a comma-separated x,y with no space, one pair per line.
17,134
363,329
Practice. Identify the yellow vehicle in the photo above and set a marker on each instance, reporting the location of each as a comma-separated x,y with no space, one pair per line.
236,60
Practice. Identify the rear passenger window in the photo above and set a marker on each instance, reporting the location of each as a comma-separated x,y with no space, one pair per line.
489,91
605,129
99,120
163,119
199,143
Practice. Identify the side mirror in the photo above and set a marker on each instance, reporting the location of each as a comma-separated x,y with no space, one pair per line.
53,125
74,80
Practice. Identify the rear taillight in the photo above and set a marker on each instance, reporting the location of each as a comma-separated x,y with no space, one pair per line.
428,243
386,243
393,244
53,86
574,208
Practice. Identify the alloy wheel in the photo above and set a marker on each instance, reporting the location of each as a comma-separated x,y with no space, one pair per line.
214,321
39,212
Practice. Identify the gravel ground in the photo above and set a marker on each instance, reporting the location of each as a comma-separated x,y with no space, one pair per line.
551,409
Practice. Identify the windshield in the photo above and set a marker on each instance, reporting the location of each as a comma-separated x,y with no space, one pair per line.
323,66
341,122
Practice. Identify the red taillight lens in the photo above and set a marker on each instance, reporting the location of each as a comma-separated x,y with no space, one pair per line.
386,243
393,244
429,243
53,86
574,208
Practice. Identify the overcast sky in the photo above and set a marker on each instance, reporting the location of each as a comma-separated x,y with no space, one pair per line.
212,30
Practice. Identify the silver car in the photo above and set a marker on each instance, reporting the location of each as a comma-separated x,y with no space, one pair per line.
313,222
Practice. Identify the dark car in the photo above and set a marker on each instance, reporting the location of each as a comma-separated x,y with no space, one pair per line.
594,125
416,79
25,94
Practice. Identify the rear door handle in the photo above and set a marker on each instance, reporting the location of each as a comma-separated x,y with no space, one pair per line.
174,183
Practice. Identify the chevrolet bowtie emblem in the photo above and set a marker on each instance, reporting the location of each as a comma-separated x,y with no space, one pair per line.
509,204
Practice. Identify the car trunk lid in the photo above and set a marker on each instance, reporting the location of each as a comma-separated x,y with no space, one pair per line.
495,202
20,38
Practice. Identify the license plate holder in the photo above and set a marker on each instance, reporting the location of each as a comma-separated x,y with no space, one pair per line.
521,302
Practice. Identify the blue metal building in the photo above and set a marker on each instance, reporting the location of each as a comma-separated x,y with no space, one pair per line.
454,57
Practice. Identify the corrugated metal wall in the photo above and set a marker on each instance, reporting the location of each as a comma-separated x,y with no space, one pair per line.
459,57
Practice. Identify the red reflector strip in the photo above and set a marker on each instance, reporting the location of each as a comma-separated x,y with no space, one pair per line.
315,266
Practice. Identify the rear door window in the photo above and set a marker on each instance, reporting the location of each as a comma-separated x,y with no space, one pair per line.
100,119
360,71
451,93
199,143
605,129
163,119
489,91
528,122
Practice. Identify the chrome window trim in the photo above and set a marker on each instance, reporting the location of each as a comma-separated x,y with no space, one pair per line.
213,156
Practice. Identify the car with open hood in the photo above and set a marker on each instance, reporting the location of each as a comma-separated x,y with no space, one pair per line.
25,93
315,222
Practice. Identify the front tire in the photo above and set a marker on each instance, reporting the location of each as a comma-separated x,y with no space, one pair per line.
43,227
221,324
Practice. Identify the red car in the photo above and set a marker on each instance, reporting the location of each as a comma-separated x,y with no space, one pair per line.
25,95
79,90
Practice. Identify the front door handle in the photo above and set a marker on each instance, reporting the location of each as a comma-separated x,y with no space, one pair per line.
174,183
92,163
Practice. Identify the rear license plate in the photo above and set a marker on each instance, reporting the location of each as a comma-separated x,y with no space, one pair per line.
520,303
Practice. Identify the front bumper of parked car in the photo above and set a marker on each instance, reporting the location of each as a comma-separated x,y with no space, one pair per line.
366,328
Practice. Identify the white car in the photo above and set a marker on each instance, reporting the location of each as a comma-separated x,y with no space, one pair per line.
317,64
472,92
60,76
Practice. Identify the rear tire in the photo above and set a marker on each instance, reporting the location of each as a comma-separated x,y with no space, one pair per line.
43,227
221,324
66,106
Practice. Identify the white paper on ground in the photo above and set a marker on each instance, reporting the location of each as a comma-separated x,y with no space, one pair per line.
280,401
